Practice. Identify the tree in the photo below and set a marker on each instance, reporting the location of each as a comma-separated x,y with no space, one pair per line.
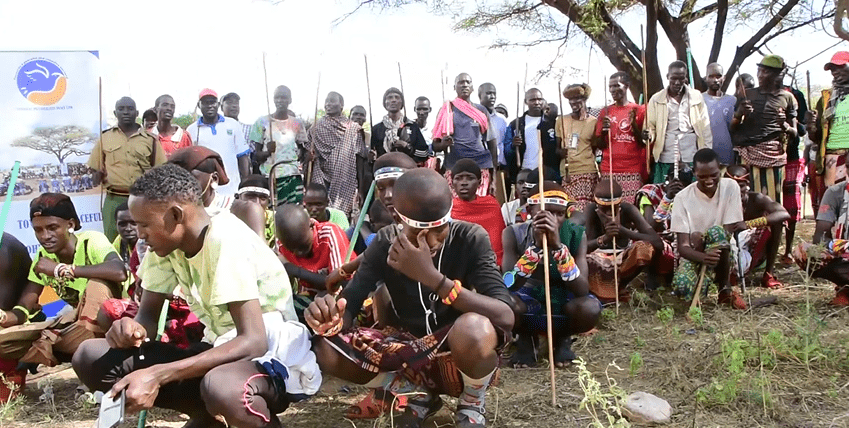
184,121
60,141
598,21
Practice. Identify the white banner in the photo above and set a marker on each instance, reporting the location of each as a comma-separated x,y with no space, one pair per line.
49,121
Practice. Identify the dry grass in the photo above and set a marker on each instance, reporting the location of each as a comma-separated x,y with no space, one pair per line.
760,352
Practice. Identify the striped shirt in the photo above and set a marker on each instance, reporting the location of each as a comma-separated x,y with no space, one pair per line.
329,248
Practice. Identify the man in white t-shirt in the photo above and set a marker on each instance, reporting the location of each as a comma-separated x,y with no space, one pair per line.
225,136
704,215
255,358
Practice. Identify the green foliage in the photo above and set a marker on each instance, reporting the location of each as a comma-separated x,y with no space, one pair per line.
183,121
608,315
639,342
603,404
636,363
695,315
665,314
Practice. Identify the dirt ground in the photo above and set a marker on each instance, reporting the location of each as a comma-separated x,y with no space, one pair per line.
779,365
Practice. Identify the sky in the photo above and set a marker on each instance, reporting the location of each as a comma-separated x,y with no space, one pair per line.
179,47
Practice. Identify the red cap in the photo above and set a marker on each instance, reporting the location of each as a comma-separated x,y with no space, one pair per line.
207,91
839,58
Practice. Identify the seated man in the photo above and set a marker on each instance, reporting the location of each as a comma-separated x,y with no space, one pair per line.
309,250
255,188
378,218
636,243
81,267
14,269
513,211
480,210
316,202
832,231
704,215
453,309
238,376
125,244
574,309
764,219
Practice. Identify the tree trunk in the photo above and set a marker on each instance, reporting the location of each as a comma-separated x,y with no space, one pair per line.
655,80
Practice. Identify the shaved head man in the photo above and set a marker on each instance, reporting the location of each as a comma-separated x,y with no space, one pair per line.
720,107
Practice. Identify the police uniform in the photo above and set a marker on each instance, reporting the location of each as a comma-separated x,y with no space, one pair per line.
122,160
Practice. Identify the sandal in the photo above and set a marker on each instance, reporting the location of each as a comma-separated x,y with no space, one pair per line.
769,281
411,419
463,420
563,354
372,407
731,298
526,352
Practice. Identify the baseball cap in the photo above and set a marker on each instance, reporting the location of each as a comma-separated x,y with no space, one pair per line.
772,61
206,91
839,58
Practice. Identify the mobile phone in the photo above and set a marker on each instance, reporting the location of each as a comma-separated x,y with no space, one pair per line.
111,411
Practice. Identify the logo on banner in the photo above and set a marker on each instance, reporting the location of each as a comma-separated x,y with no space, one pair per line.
42,81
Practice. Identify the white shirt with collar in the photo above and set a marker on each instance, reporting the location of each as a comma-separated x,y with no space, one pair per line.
227,138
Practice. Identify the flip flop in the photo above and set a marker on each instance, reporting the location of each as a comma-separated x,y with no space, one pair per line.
372,407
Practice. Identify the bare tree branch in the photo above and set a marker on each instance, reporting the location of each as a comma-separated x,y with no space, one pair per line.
719,30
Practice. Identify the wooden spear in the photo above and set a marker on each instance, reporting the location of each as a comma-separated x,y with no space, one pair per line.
545,259
612,207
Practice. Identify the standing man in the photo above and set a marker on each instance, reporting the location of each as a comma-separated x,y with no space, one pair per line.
358,114
283,142
171,137
487,95
119,157
225,136
230,108
336,141
525,134
575,148
396,133
764,121
678,123
465,128
618,133
423,109
829,129
720,107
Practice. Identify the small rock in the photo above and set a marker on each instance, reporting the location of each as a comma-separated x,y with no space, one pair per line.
644,408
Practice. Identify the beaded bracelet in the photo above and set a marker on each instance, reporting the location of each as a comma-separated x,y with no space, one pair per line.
527,264
566,265
757,223
57,270
333,331
455,291
25,311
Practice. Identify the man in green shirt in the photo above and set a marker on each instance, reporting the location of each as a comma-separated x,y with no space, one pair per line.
81,267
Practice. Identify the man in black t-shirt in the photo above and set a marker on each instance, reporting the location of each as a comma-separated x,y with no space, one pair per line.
396,133
454,311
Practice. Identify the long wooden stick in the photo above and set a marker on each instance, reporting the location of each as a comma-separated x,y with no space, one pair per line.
314,123
518,115
368,92
268,108
401,79
645,96
612,207
697,296
545,259
563,137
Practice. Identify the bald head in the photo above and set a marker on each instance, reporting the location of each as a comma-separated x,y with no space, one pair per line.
125,102
126,113
293,227
487,95
422,194
397,159
463,85
737,170
602,189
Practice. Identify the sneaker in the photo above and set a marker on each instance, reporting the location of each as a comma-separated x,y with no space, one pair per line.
731,298
470,417
769,281
842,297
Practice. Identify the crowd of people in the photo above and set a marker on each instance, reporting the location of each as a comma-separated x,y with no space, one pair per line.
229,278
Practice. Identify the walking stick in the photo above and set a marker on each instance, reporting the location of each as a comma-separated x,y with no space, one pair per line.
10,192
689,67
518,114
549,328
805,180
445,101
270,123
645,96
562,122
401,79
368,91
612,207
315,123
100,137
740,271
696,298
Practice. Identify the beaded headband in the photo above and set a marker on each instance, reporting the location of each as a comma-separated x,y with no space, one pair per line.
389,172
744,177
608,201
426,224
550,197
254,189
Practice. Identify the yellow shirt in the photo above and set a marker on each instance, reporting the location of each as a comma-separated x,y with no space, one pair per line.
582,158
124,159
